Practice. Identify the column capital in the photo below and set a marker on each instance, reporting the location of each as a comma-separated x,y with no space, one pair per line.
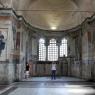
58,42
47,42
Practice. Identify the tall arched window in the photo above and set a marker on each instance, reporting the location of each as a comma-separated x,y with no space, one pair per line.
42,50
63,48
52,51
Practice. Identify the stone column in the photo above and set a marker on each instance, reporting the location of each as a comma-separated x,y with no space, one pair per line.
80,57
47,44
59,66
58,44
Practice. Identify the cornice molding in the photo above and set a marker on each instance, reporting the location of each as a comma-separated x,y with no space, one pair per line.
34,29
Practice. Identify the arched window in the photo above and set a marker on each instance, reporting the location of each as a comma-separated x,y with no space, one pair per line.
63,48
42,50
52,50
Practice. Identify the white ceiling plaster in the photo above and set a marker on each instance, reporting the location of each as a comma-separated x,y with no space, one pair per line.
62,14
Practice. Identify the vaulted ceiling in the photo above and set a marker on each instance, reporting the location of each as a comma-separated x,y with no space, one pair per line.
56,14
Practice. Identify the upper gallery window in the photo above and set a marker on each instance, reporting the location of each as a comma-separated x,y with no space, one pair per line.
52,50
42,50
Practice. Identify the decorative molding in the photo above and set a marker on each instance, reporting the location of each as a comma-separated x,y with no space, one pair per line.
43,32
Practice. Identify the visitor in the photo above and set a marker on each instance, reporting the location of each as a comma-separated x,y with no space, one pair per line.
53,71
27,71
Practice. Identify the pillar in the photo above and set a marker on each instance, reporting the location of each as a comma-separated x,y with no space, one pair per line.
47,44
58,44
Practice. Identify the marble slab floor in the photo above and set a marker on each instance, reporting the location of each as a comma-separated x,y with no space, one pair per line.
52,88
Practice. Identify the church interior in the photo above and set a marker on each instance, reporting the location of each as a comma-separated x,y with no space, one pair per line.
39,32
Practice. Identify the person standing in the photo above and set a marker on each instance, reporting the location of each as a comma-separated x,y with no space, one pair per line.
27,70
53,69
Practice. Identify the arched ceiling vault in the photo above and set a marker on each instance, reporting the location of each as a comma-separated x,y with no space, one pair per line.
47,14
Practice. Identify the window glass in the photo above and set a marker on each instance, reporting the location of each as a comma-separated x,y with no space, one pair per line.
42,50
52,50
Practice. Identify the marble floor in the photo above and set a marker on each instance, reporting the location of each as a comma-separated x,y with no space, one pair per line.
62,79
52,87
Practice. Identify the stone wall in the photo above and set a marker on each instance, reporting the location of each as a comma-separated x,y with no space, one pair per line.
81,47
88,49
7,68
84,66
13,56
7,72
44,69
21,46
